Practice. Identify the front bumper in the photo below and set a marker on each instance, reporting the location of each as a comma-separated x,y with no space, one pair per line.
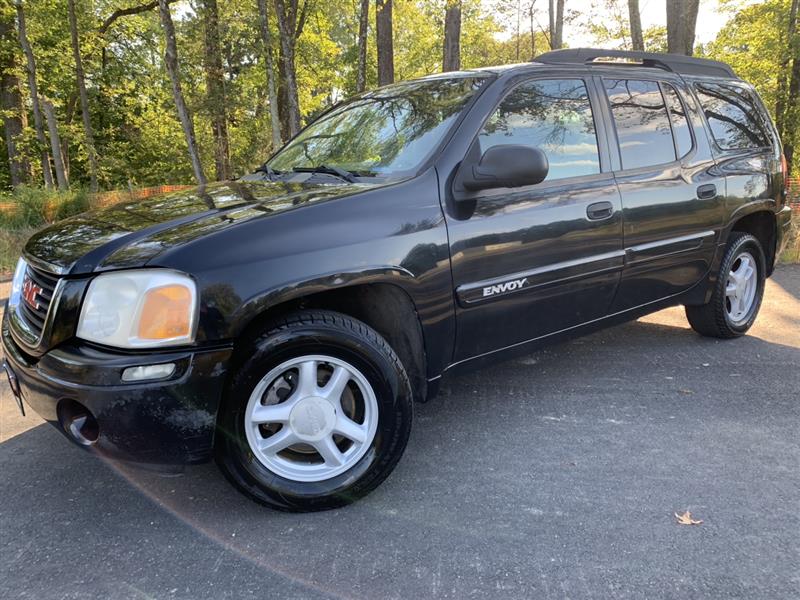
169,422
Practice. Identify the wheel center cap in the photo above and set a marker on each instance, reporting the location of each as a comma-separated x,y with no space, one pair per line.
312,419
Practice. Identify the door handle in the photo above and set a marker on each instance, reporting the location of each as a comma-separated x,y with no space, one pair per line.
599,211
707,191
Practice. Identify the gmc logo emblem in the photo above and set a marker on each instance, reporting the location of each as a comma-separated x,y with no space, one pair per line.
29,292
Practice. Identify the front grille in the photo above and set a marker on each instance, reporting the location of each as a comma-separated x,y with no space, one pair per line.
36,317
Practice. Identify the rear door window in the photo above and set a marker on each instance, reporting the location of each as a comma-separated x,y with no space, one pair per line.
732,115
680,122
642,123
554,115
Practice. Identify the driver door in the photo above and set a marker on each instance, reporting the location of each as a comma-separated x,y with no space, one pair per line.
532,261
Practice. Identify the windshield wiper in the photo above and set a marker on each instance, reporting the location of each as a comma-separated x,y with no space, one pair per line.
348,176
268,171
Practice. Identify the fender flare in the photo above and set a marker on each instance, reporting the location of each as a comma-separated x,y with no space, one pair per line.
257,305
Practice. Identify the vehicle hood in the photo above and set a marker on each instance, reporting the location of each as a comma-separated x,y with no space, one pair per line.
131,233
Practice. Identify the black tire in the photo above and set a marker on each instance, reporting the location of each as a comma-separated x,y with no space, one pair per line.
331,334
712,319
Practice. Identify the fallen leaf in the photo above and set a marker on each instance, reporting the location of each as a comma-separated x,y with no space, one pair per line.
686,519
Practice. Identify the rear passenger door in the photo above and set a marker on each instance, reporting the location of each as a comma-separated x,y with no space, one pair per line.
672,196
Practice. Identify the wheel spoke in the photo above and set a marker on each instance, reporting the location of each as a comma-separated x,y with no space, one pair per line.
747,273
307,379
730,289
734,277
335,387
329,452
350,429
739,306
273,413
278,441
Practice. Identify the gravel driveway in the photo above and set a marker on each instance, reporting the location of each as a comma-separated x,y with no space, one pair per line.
554,476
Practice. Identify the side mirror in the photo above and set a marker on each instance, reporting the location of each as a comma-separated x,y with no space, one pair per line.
507,165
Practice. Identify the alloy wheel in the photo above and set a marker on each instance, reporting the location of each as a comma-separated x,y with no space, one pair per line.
741,288
311,418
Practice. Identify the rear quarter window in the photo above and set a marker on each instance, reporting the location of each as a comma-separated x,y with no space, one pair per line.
733,116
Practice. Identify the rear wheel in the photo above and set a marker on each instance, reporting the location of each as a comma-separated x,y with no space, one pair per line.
317,416
737,296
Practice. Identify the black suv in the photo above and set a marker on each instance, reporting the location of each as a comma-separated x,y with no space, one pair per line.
284,323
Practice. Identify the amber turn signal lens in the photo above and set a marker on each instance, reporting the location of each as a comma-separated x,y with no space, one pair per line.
166,313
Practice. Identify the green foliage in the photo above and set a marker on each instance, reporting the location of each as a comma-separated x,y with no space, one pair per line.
755,43
137,133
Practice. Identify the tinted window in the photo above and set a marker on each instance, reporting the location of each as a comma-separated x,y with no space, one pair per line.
642,124
385,133
732,116
552,115
680,123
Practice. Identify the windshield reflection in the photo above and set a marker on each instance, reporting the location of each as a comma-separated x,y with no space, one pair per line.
387,133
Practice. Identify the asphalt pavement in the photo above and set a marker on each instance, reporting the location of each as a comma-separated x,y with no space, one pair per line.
553,476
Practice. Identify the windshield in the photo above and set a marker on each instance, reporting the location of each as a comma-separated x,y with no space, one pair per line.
386,133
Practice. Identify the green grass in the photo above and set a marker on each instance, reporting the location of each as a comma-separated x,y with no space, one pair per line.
34,207
11,243
25,210
791,255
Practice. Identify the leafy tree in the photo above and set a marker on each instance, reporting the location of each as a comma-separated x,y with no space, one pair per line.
124,127
753,42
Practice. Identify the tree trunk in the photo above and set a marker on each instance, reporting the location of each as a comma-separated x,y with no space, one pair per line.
272,92
171,62
637,40
34,90
14,115
533,31
518,37
383,33
290,28
81,80
55,145
681,23
558,42
784,72
556,14
792,111
451,60
215,86
363,29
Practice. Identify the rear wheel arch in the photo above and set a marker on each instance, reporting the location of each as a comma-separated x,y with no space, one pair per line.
386,307
762,225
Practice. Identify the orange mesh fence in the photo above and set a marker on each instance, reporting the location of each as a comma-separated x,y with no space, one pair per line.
116,196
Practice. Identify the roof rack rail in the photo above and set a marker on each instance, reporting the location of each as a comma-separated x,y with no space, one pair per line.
677,63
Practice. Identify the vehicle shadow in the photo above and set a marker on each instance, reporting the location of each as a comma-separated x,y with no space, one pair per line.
513,474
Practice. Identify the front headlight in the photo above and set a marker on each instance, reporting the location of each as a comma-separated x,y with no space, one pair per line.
139,309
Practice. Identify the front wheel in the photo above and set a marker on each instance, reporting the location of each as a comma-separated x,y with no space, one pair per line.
317,416
736,299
